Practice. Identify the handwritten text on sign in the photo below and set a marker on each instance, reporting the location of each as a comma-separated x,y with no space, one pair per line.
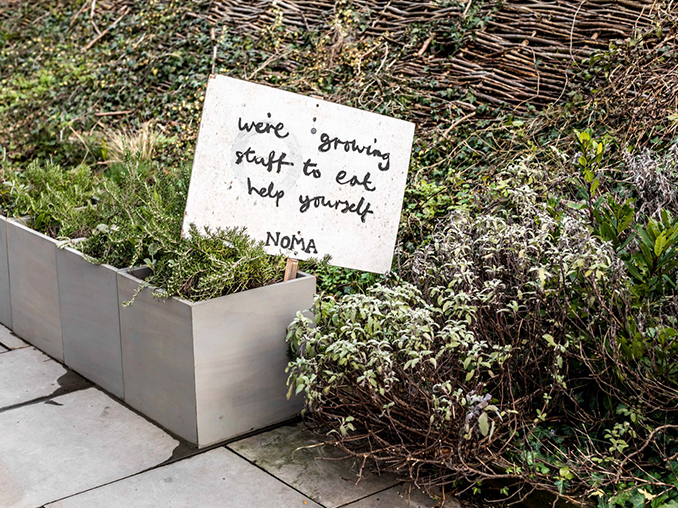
307,177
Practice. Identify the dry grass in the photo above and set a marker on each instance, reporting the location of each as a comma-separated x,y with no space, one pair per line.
140,143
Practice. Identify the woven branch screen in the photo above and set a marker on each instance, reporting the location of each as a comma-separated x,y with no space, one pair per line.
520,56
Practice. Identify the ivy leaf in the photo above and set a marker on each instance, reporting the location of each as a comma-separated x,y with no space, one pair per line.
549,339
565,473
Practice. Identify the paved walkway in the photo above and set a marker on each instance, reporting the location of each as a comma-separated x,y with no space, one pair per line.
65,443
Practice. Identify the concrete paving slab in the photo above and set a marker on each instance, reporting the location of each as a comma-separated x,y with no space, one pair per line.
27,374
399,497
331,483
217,478
73,443
9,340
3,349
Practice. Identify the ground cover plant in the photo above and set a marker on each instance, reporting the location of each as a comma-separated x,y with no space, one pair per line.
526,338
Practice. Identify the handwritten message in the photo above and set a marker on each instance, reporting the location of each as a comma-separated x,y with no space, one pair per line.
308,177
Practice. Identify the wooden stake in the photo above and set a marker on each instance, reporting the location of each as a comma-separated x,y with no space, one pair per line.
291,269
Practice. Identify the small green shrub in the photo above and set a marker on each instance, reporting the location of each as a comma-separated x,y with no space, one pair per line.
137,215
139,221
58,201
210,264
384,356
335,280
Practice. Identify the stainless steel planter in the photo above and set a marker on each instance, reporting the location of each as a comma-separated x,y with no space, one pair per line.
211,370
88,302
5,299
34,287
207,371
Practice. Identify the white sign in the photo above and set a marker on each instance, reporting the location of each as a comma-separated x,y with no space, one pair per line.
305,176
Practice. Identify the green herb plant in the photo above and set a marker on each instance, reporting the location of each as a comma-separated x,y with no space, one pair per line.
140,221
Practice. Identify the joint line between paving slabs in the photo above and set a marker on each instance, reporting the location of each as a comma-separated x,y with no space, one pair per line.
351,503
273,476
172,460
167,462
198,451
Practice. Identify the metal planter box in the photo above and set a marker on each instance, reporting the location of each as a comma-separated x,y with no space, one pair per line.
212,370
34,287
5,299
88,302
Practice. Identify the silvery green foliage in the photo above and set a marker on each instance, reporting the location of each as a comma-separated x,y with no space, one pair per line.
655,180
508,262
388,346
452,376
363,335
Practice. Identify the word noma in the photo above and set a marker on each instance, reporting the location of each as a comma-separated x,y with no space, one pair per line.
290,242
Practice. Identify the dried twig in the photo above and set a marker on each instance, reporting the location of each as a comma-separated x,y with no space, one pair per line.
102,34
